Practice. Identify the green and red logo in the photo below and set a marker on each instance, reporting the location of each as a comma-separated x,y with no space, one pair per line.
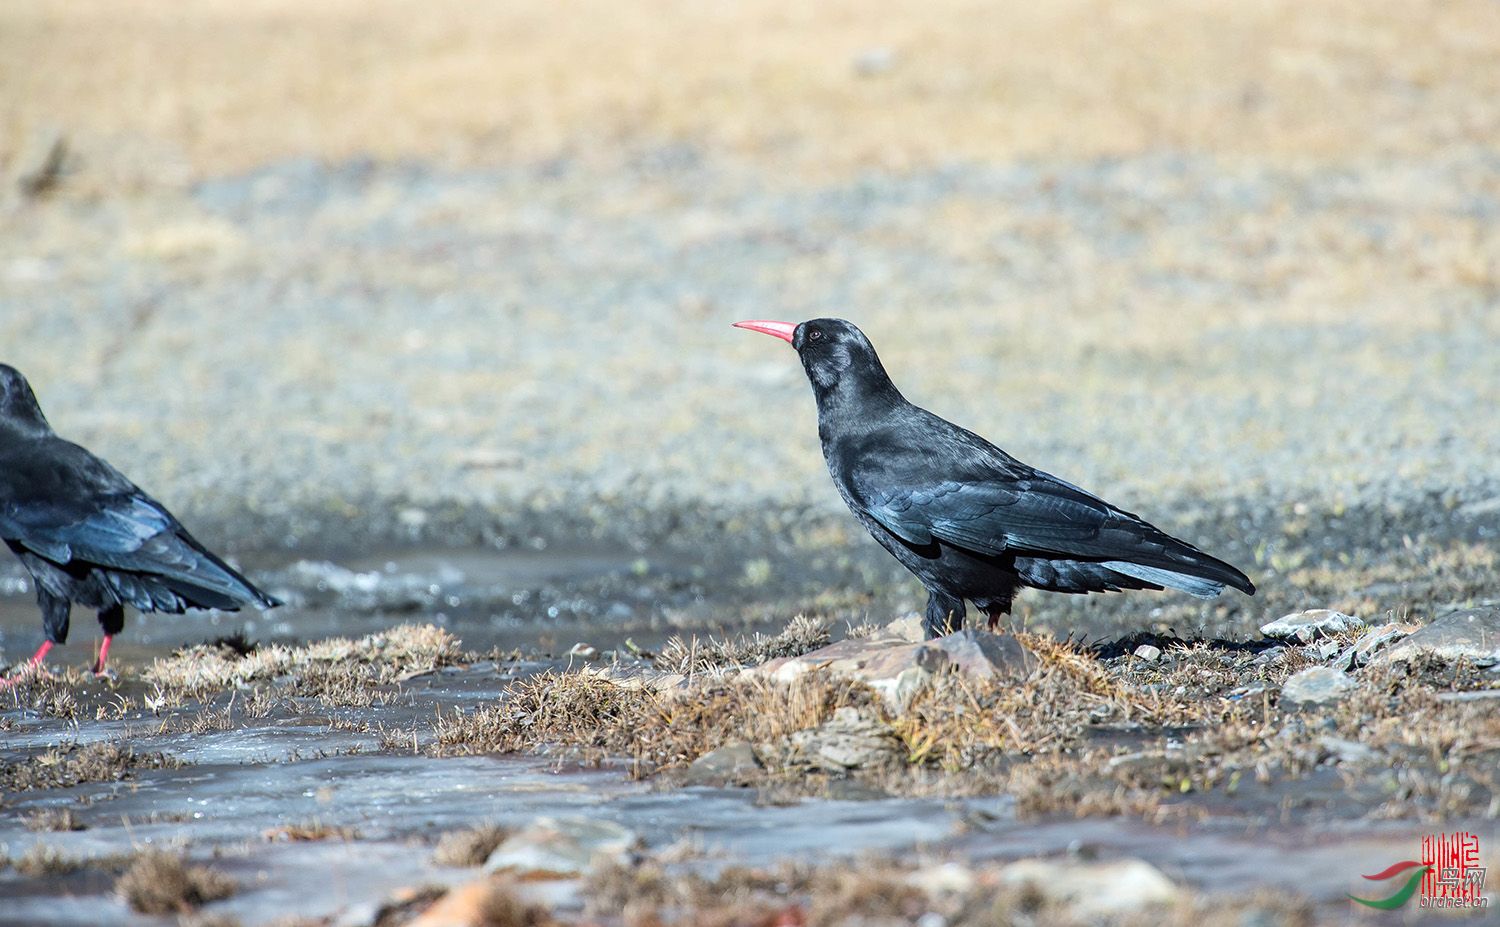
1448,876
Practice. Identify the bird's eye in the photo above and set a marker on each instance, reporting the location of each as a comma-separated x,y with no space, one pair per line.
814,335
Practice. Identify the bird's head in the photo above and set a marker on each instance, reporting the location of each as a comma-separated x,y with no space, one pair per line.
837,356
18,406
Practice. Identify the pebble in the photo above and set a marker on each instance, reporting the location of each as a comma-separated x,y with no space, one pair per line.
1148,653
1309,625
1089,889
899,668
851,739
730,764
1316,685
561,848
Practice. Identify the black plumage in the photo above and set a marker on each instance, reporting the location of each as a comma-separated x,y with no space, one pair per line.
88,535
972,522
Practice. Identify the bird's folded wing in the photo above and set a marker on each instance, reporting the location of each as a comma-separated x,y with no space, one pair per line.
1038,514
999,515
105,529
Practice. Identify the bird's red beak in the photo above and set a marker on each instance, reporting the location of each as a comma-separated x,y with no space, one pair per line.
782,330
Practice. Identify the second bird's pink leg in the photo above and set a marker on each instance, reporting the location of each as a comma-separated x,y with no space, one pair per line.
32,666
103,655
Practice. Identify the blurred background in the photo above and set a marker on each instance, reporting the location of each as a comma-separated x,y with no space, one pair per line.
338,277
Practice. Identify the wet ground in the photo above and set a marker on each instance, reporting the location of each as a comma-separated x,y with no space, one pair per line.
377,808
355,785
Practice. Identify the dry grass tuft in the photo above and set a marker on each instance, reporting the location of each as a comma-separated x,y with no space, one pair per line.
53,820
801,635
310,831
62,767
338,670
44,860
586,714
159,882
469,847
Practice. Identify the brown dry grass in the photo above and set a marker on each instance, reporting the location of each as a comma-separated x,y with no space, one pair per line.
159,882
72,764
1079,737
151,87
53,819
338,671
469,847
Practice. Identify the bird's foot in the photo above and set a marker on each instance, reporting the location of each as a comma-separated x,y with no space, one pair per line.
32,668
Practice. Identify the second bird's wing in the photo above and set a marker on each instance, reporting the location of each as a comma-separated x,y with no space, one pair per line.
1013,508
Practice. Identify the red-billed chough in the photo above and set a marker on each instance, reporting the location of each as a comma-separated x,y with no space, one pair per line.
89,535
971,521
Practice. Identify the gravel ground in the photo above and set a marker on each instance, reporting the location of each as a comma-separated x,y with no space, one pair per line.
330,355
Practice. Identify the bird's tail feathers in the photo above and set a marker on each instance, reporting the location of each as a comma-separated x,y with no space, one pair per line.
1193,585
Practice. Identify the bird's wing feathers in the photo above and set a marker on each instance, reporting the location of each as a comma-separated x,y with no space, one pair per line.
996,515
1009,507
69,506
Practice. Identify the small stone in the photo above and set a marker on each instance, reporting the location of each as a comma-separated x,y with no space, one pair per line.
907,628
942,879
1472,634
40,164
1310,625
1325,649
851,739
561,848
898,669
873,62
1316,685
1372,642
1148,653
1090,889
731,764
1346,751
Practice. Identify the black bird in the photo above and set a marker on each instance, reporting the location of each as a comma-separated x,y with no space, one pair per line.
89,535
971,521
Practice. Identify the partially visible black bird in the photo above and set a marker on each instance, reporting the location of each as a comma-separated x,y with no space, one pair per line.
89,535
971,521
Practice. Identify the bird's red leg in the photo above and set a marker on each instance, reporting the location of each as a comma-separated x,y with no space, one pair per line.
103,655
32,666
994,613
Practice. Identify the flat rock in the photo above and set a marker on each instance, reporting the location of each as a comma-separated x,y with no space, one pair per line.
561,848
899,668
1472,634
731,764
1372,642
1316,685
1092,889
1310,625
851,739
